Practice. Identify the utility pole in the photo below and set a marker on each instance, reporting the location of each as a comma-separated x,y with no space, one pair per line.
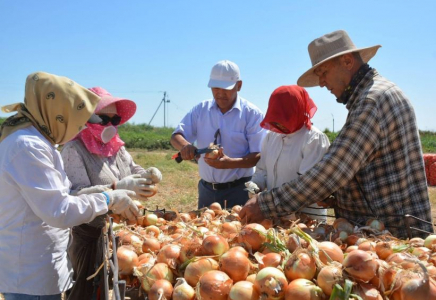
164,101
333,123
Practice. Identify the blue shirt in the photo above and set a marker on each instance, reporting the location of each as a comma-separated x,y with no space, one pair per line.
240,131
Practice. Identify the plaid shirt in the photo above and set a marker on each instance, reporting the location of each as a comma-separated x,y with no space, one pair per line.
374,167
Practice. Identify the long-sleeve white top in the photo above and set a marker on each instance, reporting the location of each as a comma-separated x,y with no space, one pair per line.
284,157
36,212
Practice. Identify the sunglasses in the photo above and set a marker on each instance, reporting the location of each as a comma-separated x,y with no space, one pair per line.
105,119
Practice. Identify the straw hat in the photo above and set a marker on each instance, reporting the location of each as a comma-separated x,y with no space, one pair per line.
329,46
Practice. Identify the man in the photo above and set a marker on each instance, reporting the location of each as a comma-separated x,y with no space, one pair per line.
232,122
374,167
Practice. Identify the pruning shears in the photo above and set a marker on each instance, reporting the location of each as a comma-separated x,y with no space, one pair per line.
178,156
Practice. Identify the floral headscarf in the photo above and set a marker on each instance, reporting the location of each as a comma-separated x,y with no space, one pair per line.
57,106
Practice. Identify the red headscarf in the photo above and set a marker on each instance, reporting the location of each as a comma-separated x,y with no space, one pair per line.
289,108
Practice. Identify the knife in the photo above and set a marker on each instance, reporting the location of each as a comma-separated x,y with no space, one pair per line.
178,156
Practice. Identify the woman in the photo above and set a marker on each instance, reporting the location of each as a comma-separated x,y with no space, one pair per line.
293,145
94,161
36,209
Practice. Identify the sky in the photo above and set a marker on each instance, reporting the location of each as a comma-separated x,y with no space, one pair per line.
139,49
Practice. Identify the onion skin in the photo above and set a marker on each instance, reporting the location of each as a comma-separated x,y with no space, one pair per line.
270,260
270,283
158,271
212,155
161,290
243,290
303,289
127,259
332,250
252,235
328,277
183,291
360,265
196,269
235,264
301,265
215,245
214,285
169,254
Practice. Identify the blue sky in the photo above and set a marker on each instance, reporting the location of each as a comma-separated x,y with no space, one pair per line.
138,49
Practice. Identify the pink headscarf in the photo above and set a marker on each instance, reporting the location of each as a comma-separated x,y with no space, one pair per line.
91,136
291,107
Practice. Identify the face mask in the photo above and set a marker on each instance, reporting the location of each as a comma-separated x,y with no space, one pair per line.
108,133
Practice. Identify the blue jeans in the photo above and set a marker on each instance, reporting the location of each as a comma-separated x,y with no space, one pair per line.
11,296
234,196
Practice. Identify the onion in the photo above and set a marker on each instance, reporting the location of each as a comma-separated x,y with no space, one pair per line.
215,245
328,277
190,249
360,265
240,249
270,283
196,269
341,224
214,285
300,265
367,246
212,155
419,288
405,260
270,260
128,238
243,290
169,254
430,241
185,217
375,224
158,271
151,245
252,236
235,264
383,249
293,242
127,259
152,230
303,289
210,212
230,229
251,278
145,258
183,291
236,209
350,248
160,290
422,253
416,242
149,219
367,292
216,207
331,250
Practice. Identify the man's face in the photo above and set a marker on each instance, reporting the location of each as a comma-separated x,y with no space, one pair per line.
225,99
334,76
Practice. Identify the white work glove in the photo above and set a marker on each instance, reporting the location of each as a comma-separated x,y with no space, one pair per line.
152,173
252,188
141,186
120,203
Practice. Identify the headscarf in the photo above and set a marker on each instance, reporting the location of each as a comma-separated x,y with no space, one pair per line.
57,106
290,107
91,136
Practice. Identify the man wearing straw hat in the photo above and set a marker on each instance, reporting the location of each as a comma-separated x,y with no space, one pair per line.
374,167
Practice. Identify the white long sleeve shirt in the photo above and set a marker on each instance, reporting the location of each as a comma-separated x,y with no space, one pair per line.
284,157
36,212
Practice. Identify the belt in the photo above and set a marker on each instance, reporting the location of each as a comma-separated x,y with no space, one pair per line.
227,185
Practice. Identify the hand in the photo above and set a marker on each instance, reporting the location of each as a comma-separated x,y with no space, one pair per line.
188,152
252,188
152,173
120,202
141,186
250,212
221,162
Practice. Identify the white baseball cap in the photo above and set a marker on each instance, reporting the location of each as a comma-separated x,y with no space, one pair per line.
224,75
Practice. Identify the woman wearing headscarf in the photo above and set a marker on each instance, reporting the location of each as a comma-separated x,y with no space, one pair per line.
94,161
293,145
36,208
